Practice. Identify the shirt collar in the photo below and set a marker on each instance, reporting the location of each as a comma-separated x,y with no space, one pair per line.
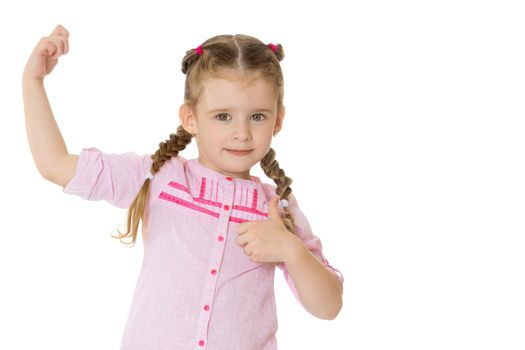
197,168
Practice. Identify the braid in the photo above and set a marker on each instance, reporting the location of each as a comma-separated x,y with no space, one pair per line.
170,148
271,168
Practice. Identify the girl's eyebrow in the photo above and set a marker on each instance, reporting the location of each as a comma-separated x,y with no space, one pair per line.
227,109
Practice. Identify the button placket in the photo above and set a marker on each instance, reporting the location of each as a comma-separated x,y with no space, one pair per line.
215,260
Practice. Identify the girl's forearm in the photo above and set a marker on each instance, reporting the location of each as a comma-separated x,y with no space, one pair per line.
45,140
319,289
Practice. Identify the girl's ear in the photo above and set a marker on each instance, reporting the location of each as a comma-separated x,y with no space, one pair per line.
279,120
187,119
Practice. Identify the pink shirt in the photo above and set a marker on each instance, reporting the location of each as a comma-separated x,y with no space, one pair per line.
196,289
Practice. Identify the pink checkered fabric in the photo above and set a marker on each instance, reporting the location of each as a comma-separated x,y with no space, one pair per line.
196,289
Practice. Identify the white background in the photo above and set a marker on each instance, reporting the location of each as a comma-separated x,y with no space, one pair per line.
404,137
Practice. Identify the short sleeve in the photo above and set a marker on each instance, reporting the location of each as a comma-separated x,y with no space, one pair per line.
311,241
115,178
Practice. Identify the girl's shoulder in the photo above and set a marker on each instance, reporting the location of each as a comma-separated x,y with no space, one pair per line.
270,189
174,165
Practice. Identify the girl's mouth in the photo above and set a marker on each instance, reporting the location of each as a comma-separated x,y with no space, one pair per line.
239,153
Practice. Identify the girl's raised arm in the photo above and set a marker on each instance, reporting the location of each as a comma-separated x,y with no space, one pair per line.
45,140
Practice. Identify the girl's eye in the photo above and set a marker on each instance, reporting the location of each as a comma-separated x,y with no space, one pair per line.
220,115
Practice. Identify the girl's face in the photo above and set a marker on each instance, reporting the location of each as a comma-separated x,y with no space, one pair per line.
233,114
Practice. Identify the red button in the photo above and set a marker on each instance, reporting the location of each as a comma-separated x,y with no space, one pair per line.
220,238
213,272
226,207
201,342
228,178
206,307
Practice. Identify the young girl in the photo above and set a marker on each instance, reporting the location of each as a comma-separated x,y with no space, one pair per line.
212,233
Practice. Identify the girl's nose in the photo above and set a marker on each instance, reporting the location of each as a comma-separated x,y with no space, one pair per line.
242,132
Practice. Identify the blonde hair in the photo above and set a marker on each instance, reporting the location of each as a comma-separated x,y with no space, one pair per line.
244,54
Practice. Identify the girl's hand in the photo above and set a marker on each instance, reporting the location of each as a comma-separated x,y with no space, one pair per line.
46,53
268,240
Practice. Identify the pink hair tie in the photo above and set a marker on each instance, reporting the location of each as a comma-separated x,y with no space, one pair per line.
274,48
198,50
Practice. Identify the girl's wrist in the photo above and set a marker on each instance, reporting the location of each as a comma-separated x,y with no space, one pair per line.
294,250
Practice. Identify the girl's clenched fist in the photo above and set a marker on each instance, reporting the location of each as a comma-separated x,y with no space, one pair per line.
46,53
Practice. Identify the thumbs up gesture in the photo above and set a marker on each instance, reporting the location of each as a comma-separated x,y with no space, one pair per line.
268,240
